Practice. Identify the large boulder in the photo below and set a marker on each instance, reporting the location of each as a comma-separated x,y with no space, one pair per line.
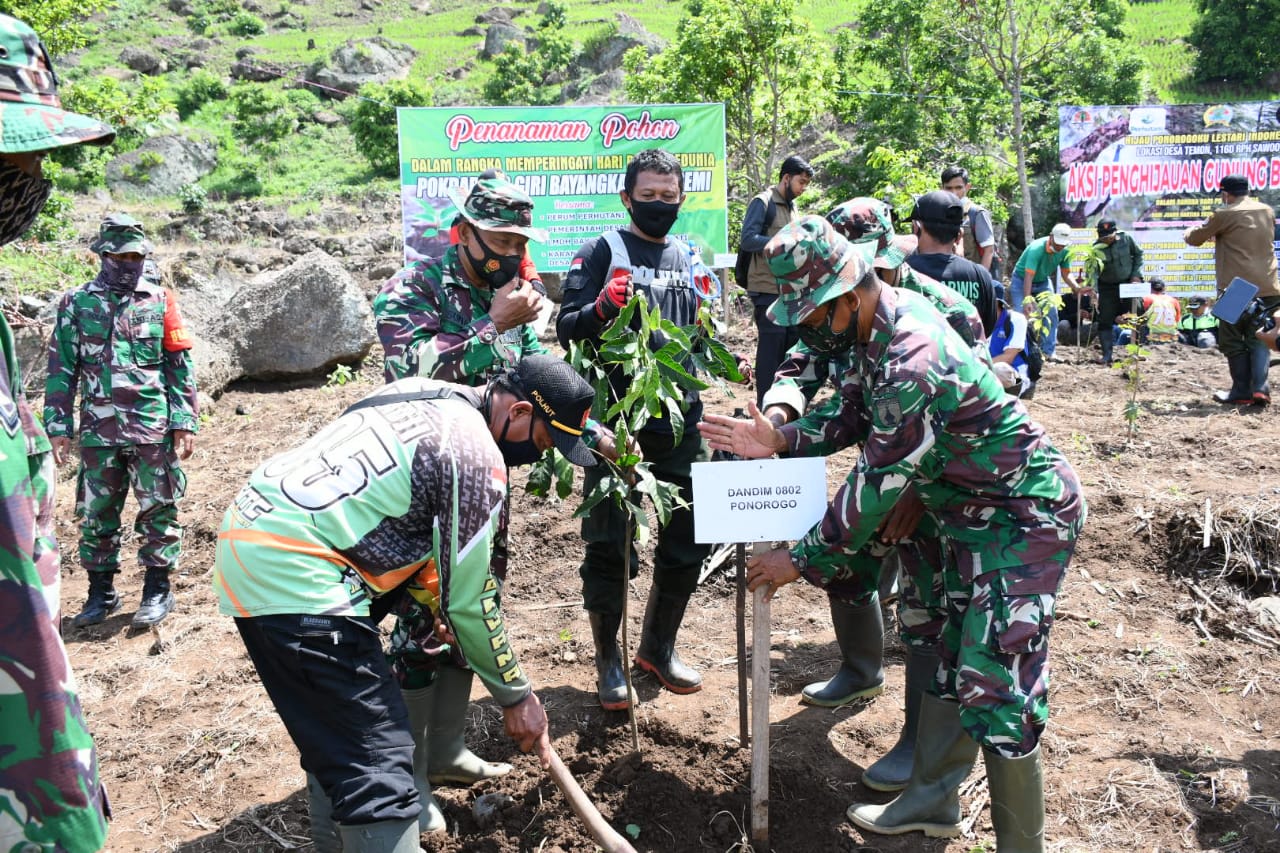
301,320
606,54
202,299
161,166
498,36
143,61
351,65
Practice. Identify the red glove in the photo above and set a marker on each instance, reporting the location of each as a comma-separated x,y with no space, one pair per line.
614,295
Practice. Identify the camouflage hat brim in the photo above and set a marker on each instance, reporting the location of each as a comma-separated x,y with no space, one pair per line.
28,127
459,200
895,254
790,309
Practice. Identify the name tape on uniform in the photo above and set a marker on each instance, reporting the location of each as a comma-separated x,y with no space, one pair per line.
758,500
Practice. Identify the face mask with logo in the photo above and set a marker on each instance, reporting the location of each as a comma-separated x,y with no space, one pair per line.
654,218
823,341
22,197
495,269
119,275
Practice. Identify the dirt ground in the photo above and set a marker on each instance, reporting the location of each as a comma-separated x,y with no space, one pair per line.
1165,733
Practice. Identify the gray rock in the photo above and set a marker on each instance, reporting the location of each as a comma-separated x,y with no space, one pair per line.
299,321
383,271
595,90
143,61
298,245
180,7
203,300
498,37
355,63
257,70
607,54
326,118
161,166
496,15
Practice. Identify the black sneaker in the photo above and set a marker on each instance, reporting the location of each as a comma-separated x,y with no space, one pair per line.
153,609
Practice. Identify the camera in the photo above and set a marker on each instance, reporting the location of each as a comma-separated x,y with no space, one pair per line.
1257,317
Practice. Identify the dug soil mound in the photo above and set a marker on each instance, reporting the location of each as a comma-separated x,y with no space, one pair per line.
1165,732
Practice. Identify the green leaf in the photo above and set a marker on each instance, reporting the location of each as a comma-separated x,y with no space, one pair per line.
540,475
609,486
633,830
728,364
564,475
677,335
677,418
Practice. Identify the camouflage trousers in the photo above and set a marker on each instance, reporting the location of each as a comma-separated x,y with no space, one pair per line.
919,565
106,474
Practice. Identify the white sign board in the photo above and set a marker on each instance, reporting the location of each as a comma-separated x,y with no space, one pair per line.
724,260
758,500
1133,289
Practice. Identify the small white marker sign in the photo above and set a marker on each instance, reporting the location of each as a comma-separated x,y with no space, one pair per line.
1133,289
758,500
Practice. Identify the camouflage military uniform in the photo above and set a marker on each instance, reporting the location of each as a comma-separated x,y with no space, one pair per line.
128,356
433,322
1011,507
50,795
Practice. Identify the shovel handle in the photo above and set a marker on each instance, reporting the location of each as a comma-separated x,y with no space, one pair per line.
600,830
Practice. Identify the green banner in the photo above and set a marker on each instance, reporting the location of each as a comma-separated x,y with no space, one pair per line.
571,160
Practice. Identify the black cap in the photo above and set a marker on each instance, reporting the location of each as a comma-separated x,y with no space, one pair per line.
999,293
561,398
1106,227
1234,184
1196,301
939,207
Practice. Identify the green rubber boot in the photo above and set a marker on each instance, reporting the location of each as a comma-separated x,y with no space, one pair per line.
388,836
449,761
893,771
324,832
930,803
860,636
419,702
1017,801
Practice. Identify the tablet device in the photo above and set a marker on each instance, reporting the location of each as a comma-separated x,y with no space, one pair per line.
1234,300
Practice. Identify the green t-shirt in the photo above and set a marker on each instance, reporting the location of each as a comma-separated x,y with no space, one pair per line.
1037,257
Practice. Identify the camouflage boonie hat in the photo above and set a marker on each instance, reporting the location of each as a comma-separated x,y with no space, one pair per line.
861,220
496,204
121,234
812,264
895,254
31,114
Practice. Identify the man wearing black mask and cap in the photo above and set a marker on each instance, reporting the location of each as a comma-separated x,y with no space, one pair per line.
1242,231
640,258
1121,263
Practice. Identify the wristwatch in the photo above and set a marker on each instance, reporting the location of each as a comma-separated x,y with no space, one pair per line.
488,334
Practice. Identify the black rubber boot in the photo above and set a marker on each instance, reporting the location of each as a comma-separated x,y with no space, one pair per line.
931,802
1259,367
860,635
657,652
611,681
1240,366
157,599
103,600
1017,801
1107,342
893,771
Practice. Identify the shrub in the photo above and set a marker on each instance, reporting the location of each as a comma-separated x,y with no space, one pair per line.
193,198
373,123
54,222
201,88
263,115
245,24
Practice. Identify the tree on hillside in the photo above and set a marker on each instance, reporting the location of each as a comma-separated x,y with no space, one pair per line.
1235,40
757,58
60,23
1033,49
531,77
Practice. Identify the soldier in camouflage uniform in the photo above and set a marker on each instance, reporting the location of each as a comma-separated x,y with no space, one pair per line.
464,318
930,414
50,796
119,341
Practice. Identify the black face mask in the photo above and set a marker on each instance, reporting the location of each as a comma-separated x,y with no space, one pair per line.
22,197
654,218
517,453
823,341
495,269
119,275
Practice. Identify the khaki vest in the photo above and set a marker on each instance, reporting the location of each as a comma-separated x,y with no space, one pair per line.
759,278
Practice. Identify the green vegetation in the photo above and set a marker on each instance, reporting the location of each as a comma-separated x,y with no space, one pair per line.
1235,41
373,121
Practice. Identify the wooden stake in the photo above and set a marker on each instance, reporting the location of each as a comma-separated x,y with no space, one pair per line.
743,719
759,721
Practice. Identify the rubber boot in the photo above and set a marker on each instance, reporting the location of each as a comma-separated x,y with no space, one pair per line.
611,680
388,836
324,832
657,652
420,703
449,762
102,602
893,771
1240,367
1108,343
860,635
157,599
1259,366
1017,801
930,803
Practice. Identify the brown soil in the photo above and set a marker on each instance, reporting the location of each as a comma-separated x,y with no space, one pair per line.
1161,739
